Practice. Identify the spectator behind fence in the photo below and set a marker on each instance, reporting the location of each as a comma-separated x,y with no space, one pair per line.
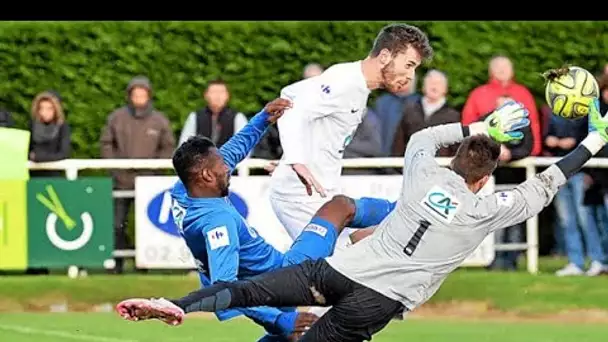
139,131
431,109
548,218
365,143
390,109
482,99
579,222
50,133
216,121
597,183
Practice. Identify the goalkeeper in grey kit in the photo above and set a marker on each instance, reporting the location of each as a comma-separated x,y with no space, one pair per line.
437,223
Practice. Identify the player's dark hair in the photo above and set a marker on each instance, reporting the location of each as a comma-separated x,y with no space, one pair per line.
217,81
189,158
398,37
476,157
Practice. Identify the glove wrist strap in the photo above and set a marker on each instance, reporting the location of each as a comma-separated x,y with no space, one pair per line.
593,142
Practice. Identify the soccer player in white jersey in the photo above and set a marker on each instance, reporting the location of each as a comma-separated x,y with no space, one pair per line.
436,224
327,110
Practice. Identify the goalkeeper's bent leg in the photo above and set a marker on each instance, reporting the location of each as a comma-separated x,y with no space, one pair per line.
370,211
284,287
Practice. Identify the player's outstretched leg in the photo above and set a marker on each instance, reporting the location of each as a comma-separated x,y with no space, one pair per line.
356,317
318,239
286,287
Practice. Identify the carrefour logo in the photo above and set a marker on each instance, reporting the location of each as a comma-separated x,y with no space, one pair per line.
159,211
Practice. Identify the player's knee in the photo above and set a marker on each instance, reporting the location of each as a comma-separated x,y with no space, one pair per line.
344,204
339,211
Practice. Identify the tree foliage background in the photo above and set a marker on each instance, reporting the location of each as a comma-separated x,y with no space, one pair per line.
90,63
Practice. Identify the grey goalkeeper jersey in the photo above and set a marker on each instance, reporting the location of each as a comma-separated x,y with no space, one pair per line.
437,223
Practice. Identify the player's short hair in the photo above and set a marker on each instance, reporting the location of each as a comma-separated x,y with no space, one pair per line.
398,37
476,157
189,158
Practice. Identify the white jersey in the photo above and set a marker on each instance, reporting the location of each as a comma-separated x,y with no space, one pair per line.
437,223
327,109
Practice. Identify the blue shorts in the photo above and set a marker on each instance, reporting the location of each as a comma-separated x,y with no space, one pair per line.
317,241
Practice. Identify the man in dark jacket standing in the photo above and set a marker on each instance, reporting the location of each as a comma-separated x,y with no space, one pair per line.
135,131
216,121
432,109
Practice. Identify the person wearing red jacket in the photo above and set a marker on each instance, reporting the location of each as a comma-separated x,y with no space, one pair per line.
483,99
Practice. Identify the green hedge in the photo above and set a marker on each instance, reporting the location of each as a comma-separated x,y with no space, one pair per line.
91,63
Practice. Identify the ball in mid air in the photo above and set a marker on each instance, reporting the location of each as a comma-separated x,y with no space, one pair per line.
570,91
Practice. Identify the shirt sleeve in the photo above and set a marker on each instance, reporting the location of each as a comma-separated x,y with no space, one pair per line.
424,144
221,238
508,208
238,147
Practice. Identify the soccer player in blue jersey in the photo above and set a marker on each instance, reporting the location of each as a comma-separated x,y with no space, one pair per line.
225,247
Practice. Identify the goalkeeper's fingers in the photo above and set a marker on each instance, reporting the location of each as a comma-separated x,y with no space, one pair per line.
516,135
522,123
512,107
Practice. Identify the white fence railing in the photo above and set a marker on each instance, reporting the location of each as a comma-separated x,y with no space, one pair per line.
73,166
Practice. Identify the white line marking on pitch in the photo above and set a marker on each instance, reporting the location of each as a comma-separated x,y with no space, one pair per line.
62,334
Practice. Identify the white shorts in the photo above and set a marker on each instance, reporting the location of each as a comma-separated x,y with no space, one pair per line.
294,216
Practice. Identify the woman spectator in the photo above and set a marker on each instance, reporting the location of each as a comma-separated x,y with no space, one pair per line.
50,133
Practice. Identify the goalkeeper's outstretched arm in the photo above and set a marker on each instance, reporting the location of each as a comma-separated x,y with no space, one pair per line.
503,125
529,198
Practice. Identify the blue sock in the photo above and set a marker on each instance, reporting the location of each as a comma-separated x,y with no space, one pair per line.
370,211
316,241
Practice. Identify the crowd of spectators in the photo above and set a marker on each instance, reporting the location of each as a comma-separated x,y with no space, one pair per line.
139,130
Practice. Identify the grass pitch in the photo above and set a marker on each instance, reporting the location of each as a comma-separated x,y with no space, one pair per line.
109,328
473,305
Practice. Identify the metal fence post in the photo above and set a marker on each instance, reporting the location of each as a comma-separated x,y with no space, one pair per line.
532,230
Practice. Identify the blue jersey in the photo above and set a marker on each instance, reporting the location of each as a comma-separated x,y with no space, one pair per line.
224,246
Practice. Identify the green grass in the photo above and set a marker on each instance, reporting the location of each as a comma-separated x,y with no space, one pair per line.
517,291
510,291
507,293
109,328
94,289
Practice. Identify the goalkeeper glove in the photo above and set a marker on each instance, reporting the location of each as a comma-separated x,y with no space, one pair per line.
505,123
597,122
